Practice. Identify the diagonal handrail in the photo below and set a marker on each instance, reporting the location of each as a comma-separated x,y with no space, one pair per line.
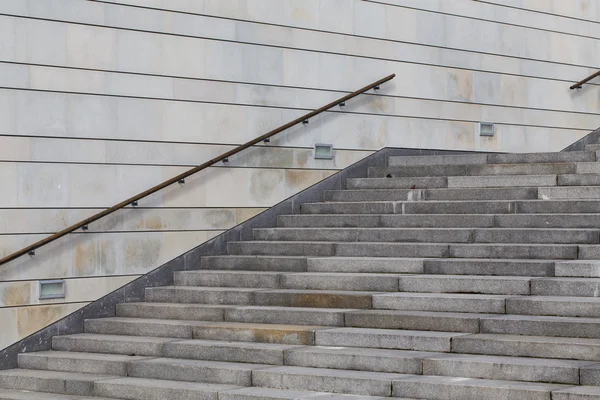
133,200
579,84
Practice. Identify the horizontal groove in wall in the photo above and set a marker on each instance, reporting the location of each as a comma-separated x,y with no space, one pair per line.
302,49
232,145
534,11
128,207
83,303
171,165
116,231
437,100
324,31
328,111
482,19
72,278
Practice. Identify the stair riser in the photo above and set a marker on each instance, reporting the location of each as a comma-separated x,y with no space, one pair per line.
424,235
473,170
539,349
439,194
501,370
387,221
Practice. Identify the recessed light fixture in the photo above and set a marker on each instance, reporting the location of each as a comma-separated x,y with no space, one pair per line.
52,289
323,151
486,129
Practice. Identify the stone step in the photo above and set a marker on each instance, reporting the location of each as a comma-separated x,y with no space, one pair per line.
515,250
340,281
413,207
504,181
235,278
577,393
415,320
366,265
502,267
196,294
557,206
111,344
547,221
458,159
200,294
364,249
483,284
534,325
588,168
590,375
456,207
258,333
500,158
86,363
176,369
424,235
569,193
357,207
300,280
327,380
577,268
358,359
528,346
259,393
592,147
315,298
159,310
571,287
555,305
287,315
7,394
579,179
441,388
430,235
505,368
394,339
431,194
238,352
253,263
141,327
450,171
389,221
425,182
430,250
441,302
52,381
157,389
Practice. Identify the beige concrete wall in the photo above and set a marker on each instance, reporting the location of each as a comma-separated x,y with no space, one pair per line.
100,100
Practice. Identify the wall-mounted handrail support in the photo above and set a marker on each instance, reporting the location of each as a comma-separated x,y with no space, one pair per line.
579,84
181,177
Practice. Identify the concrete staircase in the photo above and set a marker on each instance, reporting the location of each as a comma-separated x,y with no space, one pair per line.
438,277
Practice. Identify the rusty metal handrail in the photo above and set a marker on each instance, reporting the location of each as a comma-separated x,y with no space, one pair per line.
181,177
579,84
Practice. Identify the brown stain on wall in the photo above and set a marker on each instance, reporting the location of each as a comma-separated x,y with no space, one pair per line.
372,137
154,223
142,252
263,183
462,83
16,294
31,319
92,257
219,219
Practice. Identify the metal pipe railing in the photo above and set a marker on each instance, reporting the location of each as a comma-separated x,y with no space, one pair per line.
579,84
181,177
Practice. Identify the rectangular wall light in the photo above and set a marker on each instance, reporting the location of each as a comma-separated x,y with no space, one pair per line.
323,151
52,289
486,129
